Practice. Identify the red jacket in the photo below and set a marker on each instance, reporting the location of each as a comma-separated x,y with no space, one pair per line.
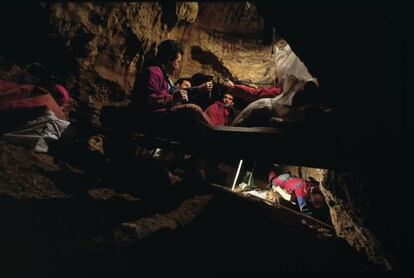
251,94
218,113
292,185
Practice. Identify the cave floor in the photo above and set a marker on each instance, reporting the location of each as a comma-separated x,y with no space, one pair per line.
56,217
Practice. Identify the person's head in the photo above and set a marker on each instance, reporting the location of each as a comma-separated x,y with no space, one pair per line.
317,200
315,195
169,55
200,78
183,83
228,99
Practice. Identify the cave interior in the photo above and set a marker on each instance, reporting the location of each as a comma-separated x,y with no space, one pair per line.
95,205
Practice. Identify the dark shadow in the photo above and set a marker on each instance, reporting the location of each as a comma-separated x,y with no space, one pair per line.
208,58
27,38
168,16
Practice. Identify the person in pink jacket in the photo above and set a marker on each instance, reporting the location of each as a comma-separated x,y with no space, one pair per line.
307,194
155,96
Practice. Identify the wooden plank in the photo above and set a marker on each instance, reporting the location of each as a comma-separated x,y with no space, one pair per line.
258,143
292,146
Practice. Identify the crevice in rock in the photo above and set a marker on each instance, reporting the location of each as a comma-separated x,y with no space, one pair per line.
208,58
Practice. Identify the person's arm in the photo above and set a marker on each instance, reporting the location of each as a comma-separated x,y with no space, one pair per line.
196,91
251,94
272,176
153,85
205,87
179,96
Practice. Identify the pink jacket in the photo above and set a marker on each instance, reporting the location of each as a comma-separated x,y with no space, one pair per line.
292,185
251,94
152,93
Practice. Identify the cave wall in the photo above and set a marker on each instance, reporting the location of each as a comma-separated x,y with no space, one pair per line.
226,41
111,42
349,206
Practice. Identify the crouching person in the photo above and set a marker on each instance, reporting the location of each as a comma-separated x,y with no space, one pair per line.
155,97
307,194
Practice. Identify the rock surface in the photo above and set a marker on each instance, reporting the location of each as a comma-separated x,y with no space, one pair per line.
79,225
344,197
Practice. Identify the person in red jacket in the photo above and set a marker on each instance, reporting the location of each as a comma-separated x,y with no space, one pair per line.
222,112
251,94
307,194
263,109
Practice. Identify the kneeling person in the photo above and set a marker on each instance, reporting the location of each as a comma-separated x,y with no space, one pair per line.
307,194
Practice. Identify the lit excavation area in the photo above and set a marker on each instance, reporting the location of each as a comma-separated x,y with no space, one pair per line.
299,191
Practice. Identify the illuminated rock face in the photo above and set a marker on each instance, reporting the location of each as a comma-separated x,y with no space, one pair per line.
108,41
111,42
348,207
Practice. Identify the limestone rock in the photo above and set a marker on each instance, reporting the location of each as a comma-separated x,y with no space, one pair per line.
103,194
138,230
22,174
341,194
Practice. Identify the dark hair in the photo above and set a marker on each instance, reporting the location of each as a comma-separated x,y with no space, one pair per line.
200,78
168,50
181,80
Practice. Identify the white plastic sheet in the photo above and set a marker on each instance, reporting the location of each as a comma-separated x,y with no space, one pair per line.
292,72
38,133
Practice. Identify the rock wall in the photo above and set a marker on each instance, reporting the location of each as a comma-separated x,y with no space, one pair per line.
348,207
226,41
111,42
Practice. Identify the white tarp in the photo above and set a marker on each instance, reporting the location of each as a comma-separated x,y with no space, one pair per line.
257,193
37,133
292,72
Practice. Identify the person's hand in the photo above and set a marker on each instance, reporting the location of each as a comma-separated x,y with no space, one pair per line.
184,95
228,84
181,95
206,87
